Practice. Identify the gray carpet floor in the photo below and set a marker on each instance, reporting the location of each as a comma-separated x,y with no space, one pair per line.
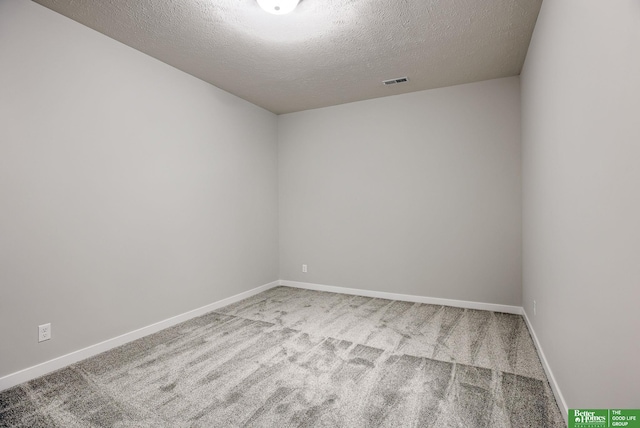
298,358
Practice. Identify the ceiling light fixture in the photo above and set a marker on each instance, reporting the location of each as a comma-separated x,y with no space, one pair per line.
278,7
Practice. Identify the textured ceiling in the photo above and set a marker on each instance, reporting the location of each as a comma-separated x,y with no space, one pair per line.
326,52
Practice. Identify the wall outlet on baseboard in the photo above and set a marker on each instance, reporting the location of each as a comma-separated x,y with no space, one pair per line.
304,268
44,332
535,309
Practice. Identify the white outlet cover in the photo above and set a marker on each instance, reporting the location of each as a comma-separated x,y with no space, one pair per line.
44,332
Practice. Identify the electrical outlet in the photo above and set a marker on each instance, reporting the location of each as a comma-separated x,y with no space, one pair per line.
534,308
304,268
44,332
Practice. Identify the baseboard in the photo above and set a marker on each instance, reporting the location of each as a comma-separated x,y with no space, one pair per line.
547,369
406,297
38,370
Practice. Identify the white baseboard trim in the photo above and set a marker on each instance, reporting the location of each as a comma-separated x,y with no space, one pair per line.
38,370
41,369
406,297
547,369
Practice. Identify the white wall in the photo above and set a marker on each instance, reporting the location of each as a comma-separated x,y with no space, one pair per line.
416,194
581,184
130,192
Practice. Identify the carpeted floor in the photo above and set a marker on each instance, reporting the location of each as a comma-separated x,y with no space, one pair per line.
298,358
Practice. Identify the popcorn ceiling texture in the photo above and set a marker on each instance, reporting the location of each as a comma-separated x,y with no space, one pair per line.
300,358
326,52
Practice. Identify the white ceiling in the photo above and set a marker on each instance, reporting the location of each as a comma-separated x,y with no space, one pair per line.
326,52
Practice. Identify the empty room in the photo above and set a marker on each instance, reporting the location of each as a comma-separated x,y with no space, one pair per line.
319,213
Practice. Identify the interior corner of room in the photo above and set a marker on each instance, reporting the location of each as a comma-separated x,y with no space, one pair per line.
134,196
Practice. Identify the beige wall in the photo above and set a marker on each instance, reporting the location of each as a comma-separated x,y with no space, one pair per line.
130,192
416,194
581,148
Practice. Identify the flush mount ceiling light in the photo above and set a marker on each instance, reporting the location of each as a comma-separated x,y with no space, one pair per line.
278,7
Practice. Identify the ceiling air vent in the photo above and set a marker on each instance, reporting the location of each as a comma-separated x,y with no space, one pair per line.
394,81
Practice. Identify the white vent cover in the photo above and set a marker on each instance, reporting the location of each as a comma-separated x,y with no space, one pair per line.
394,81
